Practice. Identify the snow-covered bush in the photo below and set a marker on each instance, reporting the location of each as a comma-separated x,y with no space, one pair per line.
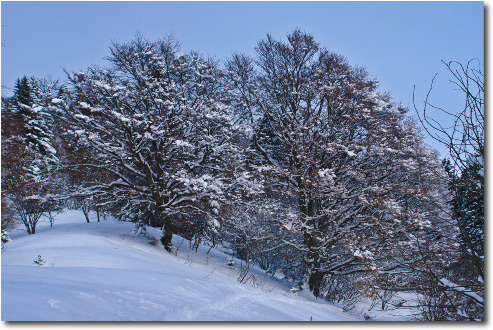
5,237
39,261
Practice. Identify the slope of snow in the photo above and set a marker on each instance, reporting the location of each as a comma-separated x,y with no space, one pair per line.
105,272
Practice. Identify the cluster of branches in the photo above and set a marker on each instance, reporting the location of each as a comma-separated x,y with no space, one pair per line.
292,158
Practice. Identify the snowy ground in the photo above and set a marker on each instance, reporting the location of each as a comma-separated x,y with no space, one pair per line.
105,272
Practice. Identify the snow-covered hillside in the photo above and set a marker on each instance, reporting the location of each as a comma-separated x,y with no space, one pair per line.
104,271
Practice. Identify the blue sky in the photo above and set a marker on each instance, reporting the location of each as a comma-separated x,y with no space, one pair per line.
399,43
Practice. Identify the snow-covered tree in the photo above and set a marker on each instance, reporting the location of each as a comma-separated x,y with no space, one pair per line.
12,130
30,99
156,123
29,157
22,196
323,134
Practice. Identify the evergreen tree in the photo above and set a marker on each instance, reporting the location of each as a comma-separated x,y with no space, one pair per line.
23,95
28,154
31,100
468,205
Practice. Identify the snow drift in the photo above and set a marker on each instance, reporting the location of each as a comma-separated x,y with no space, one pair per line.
105,272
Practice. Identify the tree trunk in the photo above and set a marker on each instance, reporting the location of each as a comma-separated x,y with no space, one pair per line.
32,229
52,220
28,228
315,282
167,236
86,213
308,210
